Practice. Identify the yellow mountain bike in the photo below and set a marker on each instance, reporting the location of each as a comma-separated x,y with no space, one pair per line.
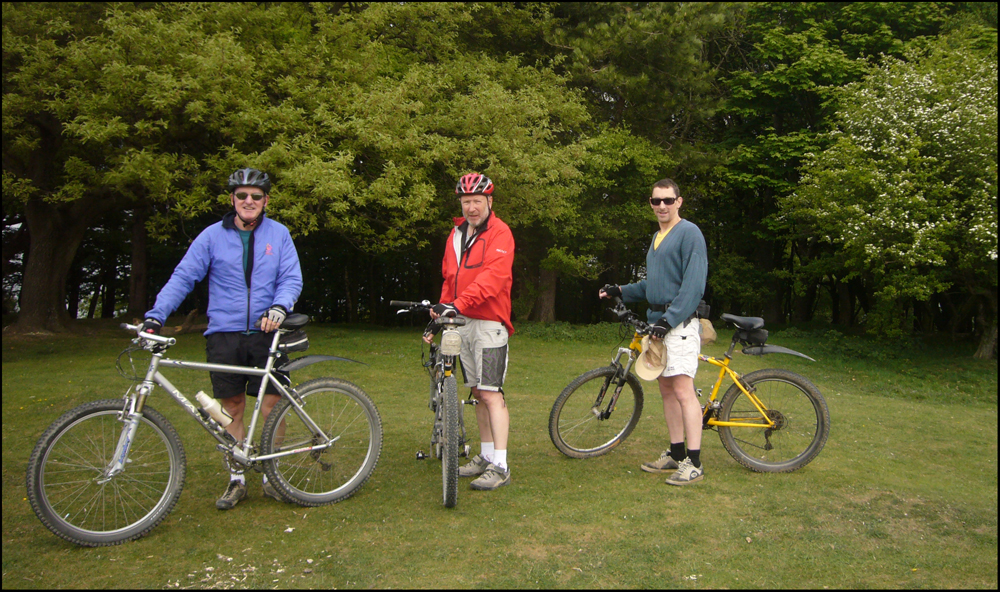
769,420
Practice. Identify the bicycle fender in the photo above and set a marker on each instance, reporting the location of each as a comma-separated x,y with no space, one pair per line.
759,350
299,363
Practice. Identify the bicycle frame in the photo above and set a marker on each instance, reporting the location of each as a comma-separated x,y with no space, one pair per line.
724,370
635,347
242,452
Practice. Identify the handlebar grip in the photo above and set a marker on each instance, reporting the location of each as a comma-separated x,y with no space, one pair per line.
410,304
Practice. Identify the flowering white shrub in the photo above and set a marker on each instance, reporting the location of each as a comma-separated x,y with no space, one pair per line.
907,191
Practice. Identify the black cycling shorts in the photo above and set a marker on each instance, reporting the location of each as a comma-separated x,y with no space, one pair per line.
239,349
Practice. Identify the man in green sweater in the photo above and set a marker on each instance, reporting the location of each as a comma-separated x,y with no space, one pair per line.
676,269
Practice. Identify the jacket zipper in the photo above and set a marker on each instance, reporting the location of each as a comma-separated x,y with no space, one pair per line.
464,254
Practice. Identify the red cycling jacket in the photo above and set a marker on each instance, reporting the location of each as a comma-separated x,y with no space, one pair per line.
477,270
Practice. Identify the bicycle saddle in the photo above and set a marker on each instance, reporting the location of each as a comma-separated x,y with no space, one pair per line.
745,323
295,321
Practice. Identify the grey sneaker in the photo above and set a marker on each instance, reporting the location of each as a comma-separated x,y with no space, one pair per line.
236,491
664,464
474,468
271,492
492,478
686,474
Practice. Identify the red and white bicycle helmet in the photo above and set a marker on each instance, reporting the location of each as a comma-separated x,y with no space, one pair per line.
474,184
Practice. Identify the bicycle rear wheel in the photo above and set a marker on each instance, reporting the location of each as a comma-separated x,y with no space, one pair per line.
450,417
797,407
70,491
319,477
580,428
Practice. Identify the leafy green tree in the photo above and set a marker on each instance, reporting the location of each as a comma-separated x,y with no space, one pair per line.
907,191
365,114
780,65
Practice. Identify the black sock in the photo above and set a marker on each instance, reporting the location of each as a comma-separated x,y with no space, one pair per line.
677,451
695,456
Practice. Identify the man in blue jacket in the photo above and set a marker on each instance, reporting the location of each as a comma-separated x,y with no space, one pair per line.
676,270
253,273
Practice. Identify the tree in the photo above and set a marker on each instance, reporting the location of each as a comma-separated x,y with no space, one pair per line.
779,65
913,166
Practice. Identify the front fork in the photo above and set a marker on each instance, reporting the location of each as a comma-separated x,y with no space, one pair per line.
130,416
619,379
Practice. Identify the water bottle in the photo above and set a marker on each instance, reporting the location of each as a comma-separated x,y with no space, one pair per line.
214,408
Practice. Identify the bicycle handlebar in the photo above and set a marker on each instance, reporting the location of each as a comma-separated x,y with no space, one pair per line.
160,339
410,305
627,316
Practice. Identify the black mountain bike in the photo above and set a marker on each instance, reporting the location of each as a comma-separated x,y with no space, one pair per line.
448,437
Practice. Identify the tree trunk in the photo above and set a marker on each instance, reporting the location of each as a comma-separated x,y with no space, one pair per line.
349,293
94,299
109,278
845,307
56,233
138,287
545,304
988,342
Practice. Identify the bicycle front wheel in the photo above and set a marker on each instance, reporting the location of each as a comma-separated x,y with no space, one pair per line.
323,476
798,410
450,418
581,424
69,486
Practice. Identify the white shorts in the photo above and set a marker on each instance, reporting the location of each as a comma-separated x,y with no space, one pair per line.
683,346
484,353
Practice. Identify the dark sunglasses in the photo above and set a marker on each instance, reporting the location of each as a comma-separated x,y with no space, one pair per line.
666,200
242,195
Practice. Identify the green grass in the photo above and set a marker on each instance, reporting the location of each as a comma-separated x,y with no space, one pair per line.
903,496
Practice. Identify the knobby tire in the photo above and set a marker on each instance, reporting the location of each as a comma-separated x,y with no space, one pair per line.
804,422
66,466
320,477
450,416
574,427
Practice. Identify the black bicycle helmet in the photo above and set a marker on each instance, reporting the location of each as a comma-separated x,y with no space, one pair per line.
474,183
250,178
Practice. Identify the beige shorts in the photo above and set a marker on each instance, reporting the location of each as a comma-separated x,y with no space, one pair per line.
683,346
484,354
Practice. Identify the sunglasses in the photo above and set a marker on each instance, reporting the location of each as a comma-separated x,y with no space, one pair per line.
665,200
242,195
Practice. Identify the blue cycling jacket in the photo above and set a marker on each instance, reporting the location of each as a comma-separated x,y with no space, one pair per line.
236,299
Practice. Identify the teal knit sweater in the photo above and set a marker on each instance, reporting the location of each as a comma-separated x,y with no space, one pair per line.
675,275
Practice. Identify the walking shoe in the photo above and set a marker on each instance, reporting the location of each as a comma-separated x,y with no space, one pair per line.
686,474
492,478
664,464
474,468
271,492
236,491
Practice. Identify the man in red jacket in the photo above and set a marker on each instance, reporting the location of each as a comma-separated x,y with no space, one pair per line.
477,264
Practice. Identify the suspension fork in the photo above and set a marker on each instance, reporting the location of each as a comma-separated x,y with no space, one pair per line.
620,377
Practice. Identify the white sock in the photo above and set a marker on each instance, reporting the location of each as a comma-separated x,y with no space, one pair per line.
486,450
500,458
265,478
237,477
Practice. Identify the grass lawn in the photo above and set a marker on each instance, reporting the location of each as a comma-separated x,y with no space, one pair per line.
903,496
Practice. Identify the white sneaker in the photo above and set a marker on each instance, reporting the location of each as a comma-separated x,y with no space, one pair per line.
686,474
